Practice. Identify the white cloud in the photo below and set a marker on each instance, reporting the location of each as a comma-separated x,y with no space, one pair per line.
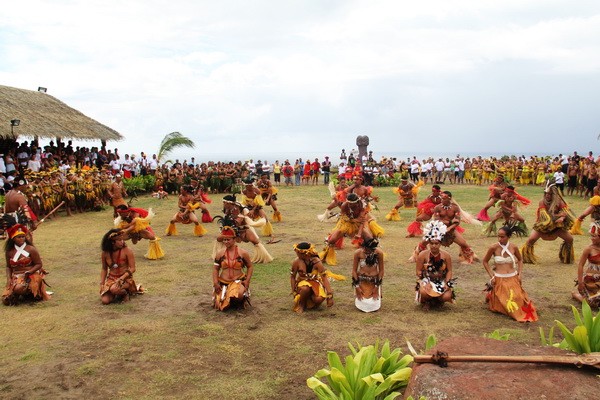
273,71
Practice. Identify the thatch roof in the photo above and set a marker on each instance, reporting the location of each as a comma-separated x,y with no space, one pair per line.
47,117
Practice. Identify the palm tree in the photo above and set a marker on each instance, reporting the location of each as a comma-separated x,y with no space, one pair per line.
171,141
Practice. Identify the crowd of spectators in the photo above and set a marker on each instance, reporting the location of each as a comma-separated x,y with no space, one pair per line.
575,172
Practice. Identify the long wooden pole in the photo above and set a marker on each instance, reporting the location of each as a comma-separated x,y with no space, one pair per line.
442,359
52,211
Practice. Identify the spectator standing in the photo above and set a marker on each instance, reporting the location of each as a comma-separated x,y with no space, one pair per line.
143,163
414,170
259,168
439,170
315,171
266,169
127,167
34,164
460,169
564,160
251,167
368,174
10,164
23,156
277,172
288,173
559,179
298,168
326,168
152,165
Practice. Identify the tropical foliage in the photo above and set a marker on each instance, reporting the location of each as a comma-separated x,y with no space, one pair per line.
171,142
369,373
585,337
139,184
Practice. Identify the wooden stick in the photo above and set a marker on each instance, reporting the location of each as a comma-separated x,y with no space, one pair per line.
52,212
442,359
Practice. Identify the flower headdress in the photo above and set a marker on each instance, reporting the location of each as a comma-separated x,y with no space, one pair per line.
434,230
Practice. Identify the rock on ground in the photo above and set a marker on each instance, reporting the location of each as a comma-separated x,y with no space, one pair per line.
476,380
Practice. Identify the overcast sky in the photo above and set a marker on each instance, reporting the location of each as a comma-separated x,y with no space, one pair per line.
489,76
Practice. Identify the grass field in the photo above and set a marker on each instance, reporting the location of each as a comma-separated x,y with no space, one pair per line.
170,343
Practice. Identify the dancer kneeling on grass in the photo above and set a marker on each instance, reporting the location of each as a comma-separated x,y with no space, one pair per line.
118,266
367,276
435,285
554,219
24,272
231,285
588,272
309,279
505,293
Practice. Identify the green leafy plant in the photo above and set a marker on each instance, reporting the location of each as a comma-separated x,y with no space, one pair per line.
585,337
549,340
430,342
369,373
172,141
139,184
496,335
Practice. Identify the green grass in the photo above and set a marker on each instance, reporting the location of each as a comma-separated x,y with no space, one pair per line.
170,343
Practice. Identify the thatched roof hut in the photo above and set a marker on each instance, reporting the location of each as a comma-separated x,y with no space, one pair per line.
47,117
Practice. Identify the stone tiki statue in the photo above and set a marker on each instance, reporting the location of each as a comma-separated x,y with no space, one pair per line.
362,141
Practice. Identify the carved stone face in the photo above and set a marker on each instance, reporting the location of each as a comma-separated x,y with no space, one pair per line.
362,140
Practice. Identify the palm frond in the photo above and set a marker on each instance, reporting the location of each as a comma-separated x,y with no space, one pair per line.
172,141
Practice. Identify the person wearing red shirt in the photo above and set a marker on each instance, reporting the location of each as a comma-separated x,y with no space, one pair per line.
316,171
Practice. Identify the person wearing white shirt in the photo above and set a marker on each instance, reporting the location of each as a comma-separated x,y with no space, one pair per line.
559,179
341,171
115,167
251,167
439,170
23,157
266,169
143,164
564,160
152,165
127,167
414,170
425,170
34,164
64,168
460,166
